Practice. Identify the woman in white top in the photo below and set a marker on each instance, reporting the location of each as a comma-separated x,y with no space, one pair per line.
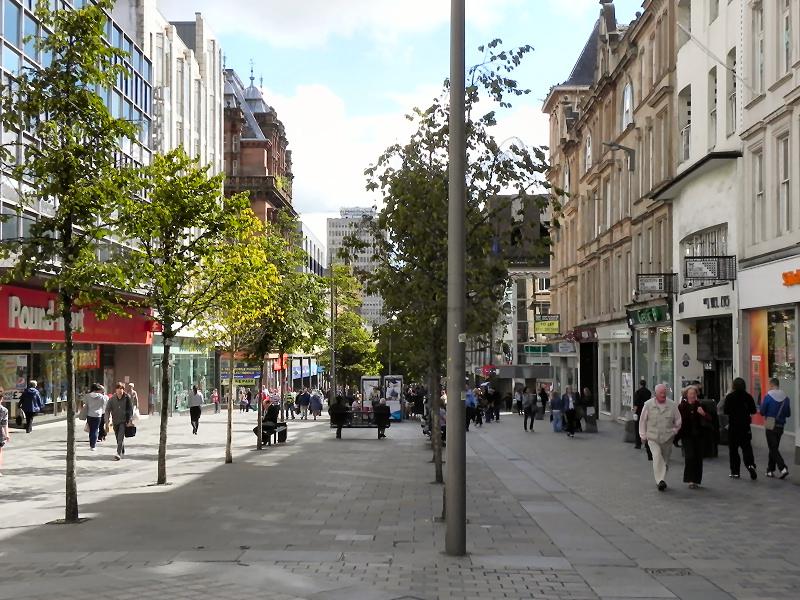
195,408
95,402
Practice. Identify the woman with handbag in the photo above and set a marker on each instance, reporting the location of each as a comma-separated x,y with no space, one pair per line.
695,427
94,405
119,411
775,409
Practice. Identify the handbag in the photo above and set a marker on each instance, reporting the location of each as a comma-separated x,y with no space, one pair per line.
130,431
83,412
769,422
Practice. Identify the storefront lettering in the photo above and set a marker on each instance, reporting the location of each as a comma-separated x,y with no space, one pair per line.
717,302
791,278
38,318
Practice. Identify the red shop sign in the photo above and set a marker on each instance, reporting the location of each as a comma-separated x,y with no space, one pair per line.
28,315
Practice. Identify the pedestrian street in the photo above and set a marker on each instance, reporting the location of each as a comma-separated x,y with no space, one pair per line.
320,518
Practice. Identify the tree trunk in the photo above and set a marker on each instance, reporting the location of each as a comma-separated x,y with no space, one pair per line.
71,491
229,439
166,385
436,431
260,442
282,388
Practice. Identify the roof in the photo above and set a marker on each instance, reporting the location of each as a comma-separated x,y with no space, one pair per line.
249,101
583,71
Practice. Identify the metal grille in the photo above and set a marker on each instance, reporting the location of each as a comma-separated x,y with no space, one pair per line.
709,268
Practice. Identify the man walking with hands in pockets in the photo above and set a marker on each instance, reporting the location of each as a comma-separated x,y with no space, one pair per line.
659,421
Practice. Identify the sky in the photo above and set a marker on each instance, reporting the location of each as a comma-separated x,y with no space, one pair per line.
342,74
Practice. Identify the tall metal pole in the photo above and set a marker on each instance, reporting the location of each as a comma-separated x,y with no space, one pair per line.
333,339
456,488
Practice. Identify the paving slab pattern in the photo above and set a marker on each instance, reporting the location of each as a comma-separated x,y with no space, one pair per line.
323,519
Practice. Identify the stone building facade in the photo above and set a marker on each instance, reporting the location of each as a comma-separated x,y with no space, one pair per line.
612,139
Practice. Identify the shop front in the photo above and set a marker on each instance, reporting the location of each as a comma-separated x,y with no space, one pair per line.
614,373
191,363
31,348
653,346
770,303
564,365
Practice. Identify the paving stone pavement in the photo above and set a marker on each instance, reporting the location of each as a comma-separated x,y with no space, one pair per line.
324,519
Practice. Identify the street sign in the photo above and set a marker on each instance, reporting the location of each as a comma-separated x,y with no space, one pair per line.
547,324
709,268
656,283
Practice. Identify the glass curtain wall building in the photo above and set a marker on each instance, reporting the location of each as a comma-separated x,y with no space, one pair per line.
107,351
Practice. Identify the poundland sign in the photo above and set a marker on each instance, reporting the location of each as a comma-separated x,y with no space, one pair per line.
38,318
32,315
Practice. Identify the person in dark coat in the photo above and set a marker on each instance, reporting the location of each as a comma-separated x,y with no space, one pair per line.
543,398
641,396
382,415
30,402
739,406
338,413
695,428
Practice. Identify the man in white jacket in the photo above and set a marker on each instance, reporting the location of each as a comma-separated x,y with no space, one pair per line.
659,422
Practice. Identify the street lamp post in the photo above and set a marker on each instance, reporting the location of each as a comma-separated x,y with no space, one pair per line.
392,319
456,490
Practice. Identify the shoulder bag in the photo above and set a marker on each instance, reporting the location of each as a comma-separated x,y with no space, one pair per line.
769,422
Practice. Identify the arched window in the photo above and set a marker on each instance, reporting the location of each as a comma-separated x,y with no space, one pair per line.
566,179
627,106
587,159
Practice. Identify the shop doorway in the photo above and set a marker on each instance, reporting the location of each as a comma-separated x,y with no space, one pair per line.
715,351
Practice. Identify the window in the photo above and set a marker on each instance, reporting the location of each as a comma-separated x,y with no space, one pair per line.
566,178
784,212
11,24
627,106
685,122
758,47
730,109
608,202
714,10
587,160
758,215
709,242
786,35
712,108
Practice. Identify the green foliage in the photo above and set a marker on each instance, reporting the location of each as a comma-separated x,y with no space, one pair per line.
72,172
411,229
298,320
355,349
184,224
64,163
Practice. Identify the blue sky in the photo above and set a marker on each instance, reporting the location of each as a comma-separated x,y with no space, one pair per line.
342,73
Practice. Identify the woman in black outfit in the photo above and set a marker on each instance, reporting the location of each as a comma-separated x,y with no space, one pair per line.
739,405
695,427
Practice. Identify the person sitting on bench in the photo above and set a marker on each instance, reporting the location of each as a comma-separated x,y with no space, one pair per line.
382,415
270,423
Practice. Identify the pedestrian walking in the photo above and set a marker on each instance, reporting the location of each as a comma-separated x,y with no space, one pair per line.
195,408
338,413
242,400
518,400
94,405
775,409
543,398
215,400
556,411
119,412
641,396
693,434
303,402
528,408
570,407
30,403
739,406
4,436
316,404
470,404
248,401
130,388
658,425
382,416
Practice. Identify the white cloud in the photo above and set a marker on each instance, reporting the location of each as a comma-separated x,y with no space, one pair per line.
308,23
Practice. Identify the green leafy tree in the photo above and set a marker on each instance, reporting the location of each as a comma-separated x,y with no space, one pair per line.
298,320
410,231
184,224
71,170
248,260
354,347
